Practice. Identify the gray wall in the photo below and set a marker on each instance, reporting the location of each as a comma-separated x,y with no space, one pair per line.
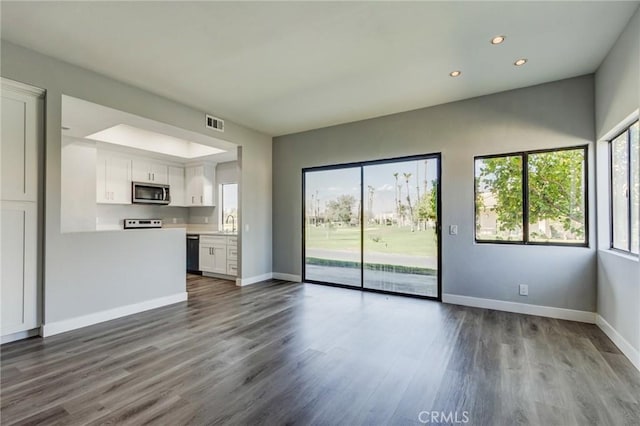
90,272
617,97
546,116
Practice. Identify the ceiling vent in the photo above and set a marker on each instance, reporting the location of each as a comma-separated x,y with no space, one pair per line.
215,123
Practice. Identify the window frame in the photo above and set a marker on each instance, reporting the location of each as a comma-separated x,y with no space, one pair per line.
626,129
525,198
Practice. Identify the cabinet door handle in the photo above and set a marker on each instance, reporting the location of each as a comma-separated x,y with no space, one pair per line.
193,199
201,199
153,177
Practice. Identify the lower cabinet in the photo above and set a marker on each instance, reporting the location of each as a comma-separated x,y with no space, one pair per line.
218,254
19,293
232,256
213,254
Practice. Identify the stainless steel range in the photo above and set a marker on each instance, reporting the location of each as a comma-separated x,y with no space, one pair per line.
142,223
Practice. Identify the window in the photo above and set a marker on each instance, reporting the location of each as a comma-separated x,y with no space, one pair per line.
625,190
536,197
229,208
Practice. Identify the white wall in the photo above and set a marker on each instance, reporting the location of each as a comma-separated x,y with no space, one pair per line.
546,116
617,100
90,272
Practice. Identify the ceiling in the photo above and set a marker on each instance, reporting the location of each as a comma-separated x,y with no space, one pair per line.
284,67
81,119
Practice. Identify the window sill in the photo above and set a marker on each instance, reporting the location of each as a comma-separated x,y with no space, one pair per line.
621,254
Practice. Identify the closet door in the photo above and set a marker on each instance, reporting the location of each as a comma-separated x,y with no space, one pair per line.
19,290
20,135
22,130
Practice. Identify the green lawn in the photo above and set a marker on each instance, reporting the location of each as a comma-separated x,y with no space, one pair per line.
383,239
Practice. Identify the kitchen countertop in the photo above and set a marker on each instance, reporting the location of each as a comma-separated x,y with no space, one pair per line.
201,230
226,234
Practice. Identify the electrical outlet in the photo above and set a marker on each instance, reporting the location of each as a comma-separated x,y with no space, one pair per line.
206,219
524,290
246,228
453,229
175,220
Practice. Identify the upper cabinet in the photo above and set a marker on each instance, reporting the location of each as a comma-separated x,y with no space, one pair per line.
113,178
150,172
21,124
177,186
200,185
189,186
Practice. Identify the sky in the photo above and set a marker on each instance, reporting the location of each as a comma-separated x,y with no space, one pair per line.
330,184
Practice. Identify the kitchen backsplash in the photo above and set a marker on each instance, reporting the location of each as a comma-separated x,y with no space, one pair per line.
110,216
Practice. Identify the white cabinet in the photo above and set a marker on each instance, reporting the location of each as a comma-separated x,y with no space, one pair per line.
149,171
232,256
200,185
22,139
207,260
113,178
213,254
21,130
176,186
19,293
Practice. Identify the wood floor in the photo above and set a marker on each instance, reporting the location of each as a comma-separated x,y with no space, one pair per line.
290,353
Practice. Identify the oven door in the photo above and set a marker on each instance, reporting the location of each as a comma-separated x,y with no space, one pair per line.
145,193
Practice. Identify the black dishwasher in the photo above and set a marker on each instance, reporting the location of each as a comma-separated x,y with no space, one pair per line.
193,253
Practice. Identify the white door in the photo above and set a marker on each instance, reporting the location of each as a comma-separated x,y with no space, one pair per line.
19,267
208,185
141,171
194,186
22,130
176,186
102,195
159,173
207,260
220,259
119,179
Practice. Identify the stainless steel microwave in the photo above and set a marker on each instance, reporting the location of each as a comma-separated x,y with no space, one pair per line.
149,193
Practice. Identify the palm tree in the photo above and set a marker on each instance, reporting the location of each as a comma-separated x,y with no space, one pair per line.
370,204
395,188
407,176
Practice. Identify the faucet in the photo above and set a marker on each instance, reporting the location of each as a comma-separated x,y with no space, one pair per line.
233,222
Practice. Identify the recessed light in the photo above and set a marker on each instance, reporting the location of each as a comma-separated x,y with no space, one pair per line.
498,39
455,73
520,62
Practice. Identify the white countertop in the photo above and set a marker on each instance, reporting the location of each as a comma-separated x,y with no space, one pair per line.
201,229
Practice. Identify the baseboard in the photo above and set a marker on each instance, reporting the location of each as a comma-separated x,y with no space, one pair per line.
58,327
287,277
625,347
521,308
19,335
220,276
240,282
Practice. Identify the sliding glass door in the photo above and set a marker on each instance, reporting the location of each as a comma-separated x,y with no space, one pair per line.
332,226
374,225
400,220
